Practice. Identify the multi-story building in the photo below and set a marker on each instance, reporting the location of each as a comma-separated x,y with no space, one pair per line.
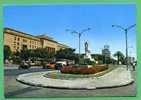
106,52
17,40
50,43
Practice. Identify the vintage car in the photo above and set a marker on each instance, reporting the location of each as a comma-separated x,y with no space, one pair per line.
24,65
58,66
53,65
50,65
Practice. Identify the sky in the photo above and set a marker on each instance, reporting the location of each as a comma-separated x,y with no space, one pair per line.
53,20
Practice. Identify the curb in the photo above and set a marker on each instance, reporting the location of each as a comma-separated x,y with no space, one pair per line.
86,83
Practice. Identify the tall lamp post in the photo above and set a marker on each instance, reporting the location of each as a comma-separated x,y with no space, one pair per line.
79,36
126,39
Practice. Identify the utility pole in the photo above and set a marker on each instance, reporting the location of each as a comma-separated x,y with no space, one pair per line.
79,37
126,39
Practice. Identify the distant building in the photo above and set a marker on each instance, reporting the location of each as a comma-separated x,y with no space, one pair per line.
106,52
50,43
18,40
131,60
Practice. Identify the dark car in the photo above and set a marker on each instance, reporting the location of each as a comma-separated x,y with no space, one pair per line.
58,66
24,65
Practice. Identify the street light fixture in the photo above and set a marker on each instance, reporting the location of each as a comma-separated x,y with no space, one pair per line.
79,35
126,38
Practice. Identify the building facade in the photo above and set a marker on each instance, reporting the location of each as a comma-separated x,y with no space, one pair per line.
17,41
50,43
106,52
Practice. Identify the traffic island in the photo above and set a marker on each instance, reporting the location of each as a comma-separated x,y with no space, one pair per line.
114,78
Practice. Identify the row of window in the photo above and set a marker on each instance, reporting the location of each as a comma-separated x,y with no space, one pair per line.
51,50
25,40
32,45
16,44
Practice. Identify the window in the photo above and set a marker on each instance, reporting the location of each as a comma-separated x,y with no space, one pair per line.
51,50
18,39
24,47
24,40
14,46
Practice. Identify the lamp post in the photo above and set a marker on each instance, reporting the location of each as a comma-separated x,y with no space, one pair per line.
126,39
79,36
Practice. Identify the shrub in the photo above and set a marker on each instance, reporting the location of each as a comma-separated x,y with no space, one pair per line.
89,62
83,70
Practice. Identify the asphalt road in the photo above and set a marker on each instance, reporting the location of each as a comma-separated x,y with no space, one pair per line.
15,89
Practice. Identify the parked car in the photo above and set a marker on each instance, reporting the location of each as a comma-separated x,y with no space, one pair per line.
24,65
50,65
58,66
62,62
65,61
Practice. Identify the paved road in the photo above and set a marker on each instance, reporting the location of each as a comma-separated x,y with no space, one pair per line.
15,89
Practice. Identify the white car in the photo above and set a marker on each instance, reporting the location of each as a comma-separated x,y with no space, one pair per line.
62,62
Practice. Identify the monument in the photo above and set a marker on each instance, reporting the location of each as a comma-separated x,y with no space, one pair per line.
88,52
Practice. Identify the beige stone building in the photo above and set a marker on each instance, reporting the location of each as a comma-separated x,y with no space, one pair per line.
17,40
50,43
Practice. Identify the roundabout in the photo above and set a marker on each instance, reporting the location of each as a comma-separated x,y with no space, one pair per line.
117,77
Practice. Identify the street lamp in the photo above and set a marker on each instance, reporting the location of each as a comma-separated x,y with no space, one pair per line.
126,38
79,35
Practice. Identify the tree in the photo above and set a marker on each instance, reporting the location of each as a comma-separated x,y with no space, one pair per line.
25,54
35,54
7,52
67,53
102,59
39,54
120,56
42,54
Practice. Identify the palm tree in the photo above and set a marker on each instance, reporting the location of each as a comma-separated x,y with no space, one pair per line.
120,56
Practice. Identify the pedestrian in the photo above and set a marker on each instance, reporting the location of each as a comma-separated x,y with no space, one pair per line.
134,65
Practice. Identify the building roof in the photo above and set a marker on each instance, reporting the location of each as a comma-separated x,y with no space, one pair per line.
51,39
23,34
19,33
64,45
46,38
